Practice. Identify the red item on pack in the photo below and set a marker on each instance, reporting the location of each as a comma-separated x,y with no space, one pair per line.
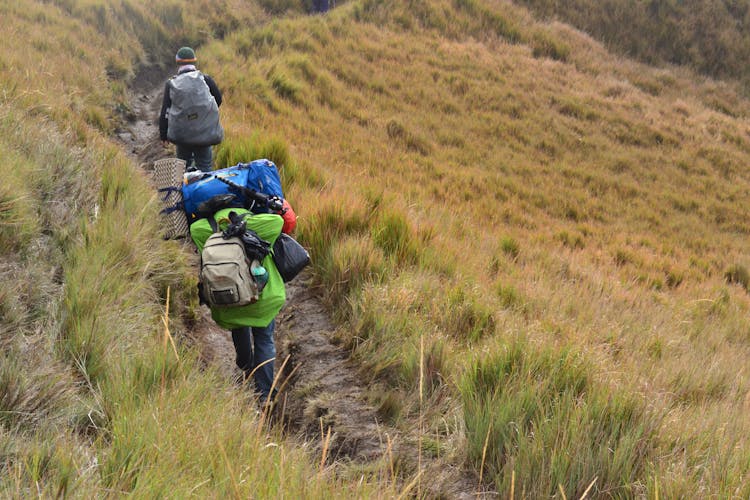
290,218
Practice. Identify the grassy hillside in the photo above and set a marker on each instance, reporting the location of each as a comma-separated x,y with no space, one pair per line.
96,399
709,36
561,229
535,250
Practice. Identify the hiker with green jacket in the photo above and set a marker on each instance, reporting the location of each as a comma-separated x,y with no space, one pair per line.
189,115
252,325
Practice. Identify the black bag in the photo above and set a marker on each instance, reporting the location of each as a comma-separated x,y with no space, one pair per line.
255,247
289,256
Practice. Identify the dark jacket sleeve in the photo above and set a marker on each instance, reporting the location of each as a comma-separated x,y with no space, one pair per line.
214,89
165,103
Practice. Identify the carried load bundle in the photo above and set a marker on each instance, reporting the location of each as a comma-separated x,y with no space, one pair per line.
255,186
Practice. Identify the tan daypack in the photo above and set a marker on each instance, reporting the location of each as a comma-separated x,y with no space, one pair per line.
225,276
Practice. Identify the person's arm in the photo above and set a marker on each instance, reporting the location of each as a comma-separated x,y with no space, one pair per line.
165,104
214,89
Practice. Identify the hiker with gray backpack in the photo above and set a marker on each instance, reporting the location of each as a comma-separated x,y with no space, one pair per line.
189,116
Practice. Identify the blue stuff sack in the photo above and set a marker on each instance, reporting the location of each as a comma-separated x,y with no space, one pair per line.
258,175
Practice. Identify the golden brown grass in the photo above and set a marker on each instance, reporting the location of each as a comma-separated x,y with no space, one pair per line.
472,183
599,199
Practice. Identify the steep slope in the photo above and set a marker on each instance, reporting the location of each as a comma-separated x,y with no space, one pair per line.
534,251
708,36
472,176
94,398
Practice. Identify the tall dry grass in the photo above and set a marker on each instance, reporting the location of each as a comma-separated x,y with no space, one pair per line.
92,403
503,177
482,193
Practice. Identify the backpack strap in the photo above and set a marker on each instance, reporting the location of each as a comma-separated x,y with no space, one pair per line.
169,190
180,205
214,225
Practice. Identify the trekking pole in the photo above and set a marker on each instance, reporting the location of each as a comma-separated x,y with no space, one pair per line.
272,202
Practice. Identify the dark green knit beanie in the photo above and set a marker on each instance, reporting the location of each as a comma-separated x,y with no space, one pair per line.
185,55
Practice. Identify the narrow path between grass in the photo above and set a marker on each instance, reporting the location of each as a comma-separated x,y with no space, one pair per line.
333,395
323,402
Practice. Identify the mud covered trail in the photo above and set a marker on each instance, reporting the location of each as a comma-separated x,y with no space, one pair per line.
323,399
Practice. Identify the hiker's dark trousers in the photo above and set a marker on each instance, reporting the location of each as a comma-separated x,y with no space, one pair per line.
254,346
201,155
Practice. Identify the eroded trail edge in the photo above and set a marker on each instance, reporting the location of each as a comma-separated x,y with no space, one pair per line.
325,392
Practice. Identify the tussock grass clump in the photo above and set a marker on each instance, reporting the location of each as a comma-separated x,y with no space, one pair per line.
390,339
355,261
234,150
267,39
304,66
690,386
492,21
28,398
392,232
522,404
571,240
510,247
16,209
426,367
398,133
373,331
285,86
574,108
737,273
333,219
509,296
544,45
45,464
466,317
673,277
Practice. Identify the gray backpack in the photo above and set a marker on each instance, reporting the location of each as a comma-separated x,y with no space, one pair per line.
193,116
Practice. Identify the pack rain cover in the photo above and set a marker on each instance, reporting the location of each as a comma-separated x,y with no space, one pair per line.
193,116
